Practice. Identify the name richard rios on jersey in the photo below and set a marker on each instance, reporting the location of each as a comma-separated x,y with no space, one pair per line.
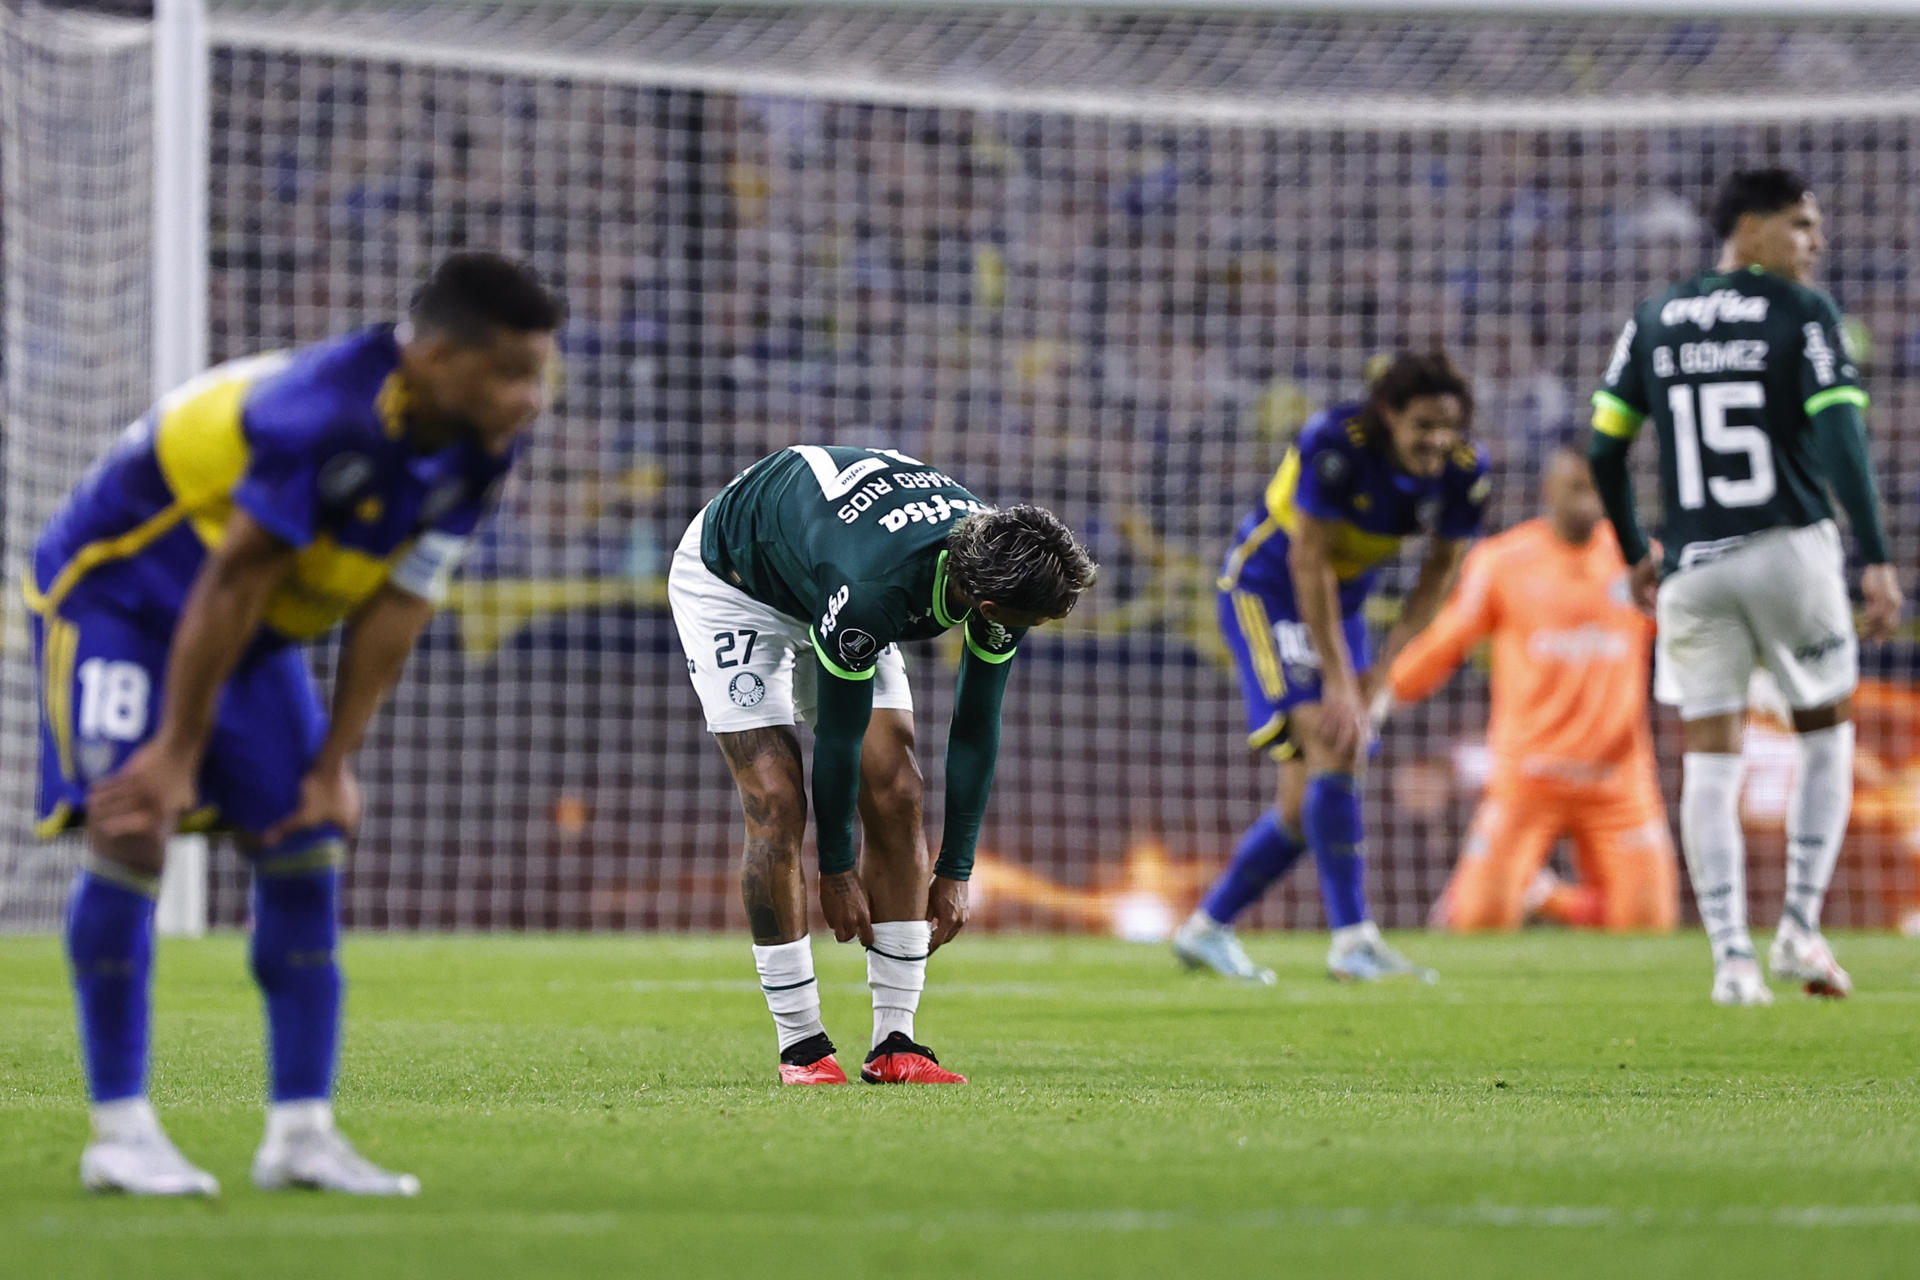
935,509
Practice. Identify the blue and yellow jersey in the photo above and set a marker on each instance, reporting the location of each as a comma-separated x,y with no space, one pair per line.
312,445
1330,473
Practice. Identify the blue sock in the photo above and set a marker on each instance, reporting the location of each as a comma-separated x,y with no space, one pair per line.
296,937
1331,819
110,945
1265,853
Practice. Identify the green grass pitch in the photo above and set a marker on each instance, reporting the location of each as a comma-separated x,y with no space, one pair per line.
1557,1107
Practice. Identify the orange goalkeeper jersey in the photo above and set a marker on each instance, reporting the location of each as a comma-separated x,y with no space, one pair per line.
1570,655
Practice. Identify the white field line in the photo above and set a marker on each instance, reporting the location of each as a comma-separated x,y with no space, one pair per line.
190,1224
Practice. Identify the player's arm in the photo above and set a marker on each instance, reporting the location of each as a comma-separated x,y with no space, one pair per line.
1619,407
844,681
374,651
1429,594
973,748
1316,590
222,612
1836,404
1436,651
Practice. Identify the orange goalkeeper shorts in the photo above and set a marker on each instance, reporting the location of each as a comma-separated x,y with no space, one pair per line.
1621,847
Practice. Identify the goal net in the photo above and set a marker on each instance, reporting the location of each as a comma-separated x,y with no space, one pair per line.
1107,260
75,309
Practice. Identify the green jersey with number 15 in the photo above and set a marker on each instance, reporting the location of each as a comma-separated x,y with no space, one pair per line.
1732,367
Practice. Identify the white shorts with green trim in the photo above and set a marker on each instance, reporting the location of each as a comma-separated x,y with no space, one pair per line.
752,666
1776,601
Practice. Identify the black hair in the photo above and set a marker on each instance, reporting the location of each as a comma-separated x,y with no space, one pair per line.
471,294
1760,191
1020,557
1407,376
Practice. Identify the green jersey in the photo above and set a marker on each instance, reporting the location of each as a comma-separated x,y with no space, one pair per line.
853,543
1733,368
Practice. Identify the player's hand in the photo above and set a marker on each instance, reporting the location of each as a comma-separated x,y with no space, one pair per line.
1343,721
145,796
947,911
844,902
1643,581
328,794
1880,584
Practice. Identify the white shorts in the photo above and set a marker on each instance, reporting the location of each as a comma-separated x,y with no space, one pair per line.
752,665
1778,602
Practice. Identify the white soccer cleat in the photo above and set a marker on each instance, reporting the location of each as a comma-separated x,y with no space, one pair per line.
1202,943
1738,982
1360,954
323,1160
142,1163
1805,958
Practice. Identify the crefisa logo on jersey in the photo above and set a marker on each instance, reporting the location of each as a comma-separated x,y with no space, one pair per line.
1722,304
746,689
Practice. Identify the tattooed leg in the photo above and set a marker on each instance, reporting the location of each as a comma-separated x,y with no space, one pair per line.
772,783
766,768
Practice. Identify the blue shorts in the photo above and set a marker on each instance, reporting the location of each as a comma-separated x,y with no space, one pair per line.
101,674
1274,656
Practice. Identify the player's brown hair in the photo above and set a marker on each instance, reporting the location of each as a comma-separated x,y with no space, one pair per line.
1021,557
1408,375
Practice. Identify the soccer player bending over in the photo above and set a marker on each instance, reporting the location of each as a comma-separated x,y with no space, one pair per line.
1359,480
1745,372
790,591
1572,751
254,508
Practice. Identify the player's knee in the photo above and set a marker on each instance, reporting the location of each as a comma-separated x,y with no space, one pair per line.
776,813
1323,757
144,854
894,798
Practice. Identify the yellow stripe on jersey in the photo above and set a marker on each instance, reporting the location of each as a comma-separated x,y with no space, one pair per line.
95,554
1354,550
1258,632
194,463
55,823
59,647
201,446
328,583
1230,576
